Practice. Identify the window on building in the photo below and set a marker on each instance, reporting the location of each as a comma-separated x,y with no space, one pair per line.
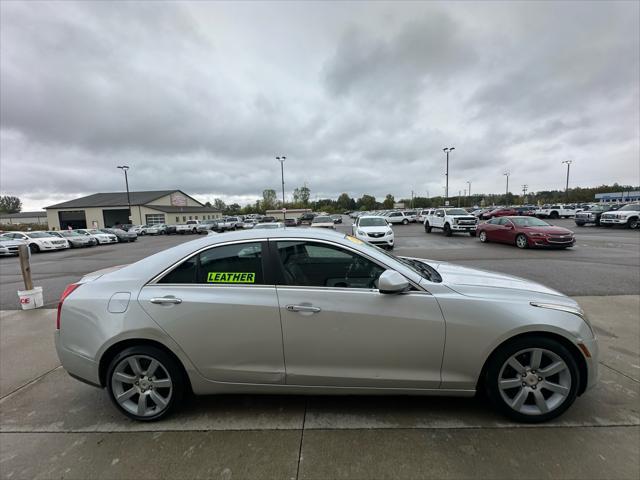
178,219
154,218
190,217
196,217
184,218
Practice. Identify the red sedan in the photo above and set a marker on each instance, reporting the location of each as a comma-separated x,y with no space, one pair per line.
499,212
525,232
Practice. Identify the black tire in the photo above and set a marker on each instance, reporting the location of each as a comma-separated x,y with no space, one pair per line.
554,215
472,233
520,243
174,370
483,237
580,224
504,352
405,222
632,223
447,230
34,248
427,227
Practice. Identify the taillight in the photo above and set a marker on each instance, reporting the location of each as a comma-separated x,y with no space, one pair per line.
65,294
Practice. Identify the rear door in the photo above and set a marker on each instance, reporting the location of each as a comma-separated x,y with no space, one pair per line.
220,306
339,330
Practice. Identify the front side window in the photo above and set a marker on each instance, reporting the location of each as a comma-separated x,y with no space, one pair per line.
311,264
238,264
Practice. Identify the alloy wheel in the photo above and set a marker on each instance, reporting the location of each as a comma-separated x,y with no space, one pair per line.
534,381
483,237
141,385
521,241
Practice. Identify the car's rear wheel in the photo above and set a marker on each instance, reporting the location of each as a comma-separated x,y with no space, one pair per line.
521,241
532,379
483,237
145,383
427,227
405,222
447,230
34,248
632,223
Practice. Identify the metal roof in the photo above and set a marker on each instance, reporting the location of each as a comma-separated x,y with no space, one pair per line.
115,199
173,209
23,214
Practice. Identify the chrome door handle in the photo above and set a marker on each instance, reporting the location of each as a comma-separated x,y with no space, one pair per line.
303,308
163,300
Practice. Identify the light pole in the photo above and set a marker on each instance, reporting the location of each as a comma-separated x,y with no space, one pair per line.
568,162
469,191
125,168
506,174
525,187
446,190
281,160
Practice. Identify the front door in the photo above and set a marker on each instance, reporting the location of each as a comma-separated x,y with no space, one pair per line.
338,330
218,307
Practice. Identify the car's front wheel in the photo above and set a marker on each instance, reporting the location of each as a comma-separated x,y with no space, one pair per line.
34,248
483,237
580,224
532,379
427,227
145,383
521,241
405,222
632,223
447,230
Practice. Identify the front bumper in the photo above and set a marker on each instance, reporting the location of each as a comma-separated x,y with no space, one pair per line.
464,228
551,242
386,240
613,221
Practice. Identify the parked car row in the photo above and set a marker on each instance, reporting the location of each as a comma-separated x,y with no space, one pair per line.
42,241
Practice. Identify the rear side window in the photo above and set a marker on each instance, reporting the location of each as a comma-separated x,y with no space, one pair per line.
239,264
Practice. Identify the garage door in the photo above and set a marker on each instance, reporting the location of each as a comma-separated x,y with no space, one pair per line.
154,218
72,218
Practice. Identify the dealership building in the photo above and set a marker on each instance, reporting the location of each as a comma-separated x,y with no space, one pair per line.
618,197
102,210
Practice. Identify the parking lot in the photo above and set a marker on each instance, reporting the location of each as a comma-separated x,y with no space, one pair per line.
55,427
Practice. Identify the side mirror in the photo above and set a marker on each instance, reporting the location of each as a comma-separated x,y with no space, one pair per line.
391,281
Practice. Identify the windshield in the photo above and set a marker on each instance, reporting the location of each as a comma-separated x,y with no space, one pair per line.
71,234
267,225
456,211
38,235
422,269
529,222
95,231
323,220
372,222
634,207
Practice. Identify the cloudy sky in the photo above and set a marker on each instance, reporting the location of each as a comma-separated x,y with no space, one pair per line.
360,97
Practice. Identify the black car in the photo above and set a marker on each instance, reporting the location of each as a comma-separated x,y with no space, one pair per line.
336,218
268,220
594,213
306,218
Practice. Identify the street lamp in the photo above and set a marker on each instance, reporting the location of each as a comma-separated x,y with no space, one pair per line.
446,191
568,162
125,168
506,174
281,160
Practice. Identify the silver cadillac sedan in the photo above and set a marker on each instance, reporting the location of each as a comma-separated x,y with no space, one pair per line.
318,312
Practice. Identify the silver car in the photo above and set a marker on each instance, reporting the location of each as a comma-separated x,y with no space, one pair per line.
311,311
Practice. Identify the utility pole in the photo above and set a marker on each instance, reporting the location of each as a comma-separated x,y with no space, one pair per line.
281,160
459,196
469,183
446,190
125,168
524,193
568,162
412,192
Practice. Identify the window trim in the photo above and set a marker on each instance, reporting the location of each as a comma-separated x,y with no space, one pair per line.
266,273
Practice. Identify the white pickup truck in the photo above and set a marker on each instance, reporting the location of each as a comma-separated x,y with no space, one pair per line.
556,211
451,220
191,226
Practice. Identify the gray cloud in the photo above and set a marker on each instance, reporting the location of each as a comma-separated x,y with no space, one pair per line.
360,97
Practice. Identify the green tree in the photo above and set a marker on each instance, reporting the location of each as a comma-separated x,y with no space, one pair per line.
366,202
233,208
344,201
9,204
219,205
388,201
303,194
269,199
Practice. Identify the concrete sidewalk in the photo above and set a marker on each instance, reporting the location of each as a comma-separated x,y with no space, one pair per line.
52,426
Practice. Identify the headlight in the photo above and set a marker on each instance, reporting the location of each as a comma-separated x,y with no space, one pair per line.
360,232
455,220
389,232
536,234
46,242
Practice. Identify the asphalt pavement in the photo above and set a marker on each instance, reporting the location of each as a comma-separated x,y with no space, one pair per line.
605,261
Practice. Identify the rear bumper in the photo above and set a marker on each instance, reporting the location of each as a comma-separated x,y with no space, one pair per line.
77,366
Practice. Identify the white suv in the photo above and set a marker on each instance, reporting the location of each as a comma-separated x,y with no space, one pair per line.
451,220
627,215
399,217
375,230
